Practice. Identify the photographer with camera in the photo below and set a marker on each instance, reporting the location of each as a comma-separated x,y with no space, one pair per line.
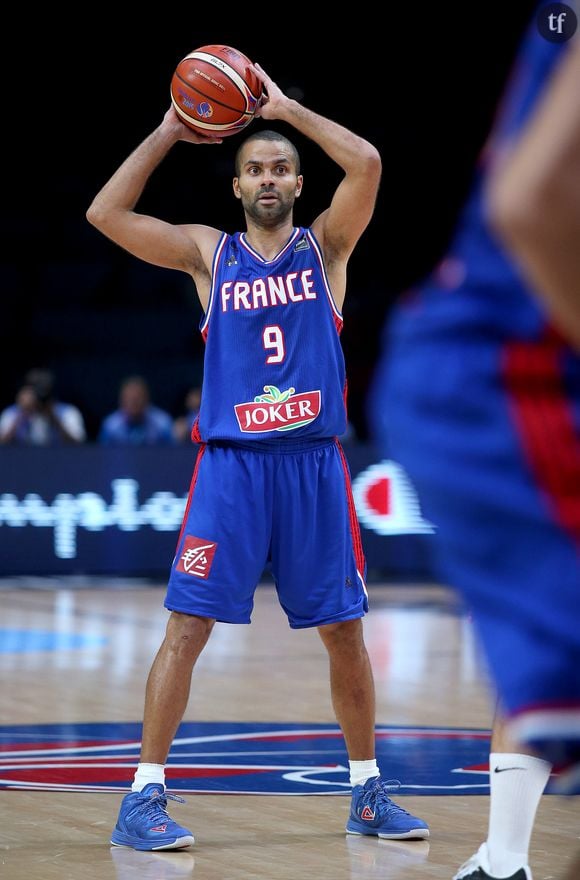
37,418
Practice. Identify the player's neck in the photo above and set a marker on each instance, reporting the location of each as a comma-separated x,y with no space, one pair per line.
269,242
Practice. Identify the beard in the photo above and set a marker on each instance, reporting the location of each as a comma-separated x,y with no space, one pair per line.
268,215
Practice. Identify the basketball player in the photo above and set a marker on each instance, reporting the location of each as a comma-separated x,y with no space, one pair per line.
271,482
535,208
492,443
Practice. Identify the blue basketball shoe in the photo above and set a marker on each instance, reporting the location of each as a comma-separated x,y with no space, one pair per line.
143,822
373,812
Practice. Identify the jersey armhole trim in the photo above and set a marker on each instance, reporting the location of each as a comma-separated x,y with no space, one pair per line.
212,293
331,300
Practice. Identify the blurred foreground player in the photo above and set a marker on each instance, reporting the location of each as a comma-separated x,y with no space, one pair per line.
271,483
477,394
534,198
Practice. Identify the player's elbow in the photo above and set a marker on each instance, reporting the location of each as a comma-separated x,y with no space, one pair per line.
102,217
101,213
95,215
371,160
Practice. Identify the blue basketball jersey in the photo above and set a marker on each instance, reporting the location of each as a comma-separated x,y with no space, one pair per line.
274,367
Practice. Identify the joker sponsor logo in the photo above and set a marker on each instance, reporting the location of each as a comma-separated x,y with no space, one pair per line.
277,410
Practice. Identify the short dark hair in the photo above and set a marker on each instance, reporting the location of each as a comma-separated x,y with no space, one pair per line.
266,135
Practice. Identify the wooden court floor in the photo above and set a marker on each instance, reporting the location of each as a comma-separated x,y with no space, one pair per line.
427,673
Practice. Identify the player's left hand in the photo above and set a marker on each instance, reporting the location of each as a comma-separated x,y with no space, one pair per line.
179,131
273,98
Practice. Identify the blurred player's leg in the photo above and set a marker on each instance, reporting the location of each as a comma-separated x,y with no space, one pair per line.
517,781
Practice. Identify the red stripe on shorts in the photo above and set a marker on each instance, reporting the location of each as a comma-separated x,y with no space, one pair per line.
544,419
200,454
353,518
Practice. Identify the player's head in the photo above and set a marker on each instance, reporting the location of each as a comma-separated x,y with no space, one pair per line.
268,179
266,135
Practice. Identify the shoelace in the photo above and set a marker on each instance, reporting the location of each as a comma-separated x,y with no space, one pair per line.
155,807
378,793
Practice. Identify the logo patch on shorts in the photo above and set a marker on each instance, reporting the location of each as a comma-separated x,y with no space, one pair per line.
197,556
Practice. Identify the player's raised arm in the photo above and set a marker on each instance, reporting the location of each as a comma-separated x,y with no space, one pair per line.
534,198
339,227
113,213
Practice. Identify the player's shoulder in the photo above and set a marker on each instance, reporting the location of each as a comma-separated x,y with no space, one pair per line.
204,242
202,231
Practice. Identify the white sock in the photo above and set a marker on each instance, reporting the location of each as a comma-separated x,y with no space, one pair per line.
147,773
360,771
516,784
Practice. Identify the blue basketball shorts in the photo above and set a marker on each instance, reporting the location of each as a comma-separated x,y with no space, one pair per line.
489,433
288,510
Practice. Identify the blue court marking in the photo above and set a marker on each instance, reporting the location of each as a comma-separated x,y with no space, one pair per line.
21,641
243,758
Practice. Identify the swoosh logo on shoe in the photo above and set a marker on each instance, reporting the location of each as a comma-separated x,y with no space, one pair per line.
367,813
503,769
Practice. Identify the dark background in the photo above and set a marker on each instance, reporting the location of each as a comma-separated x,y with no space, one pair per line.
421,84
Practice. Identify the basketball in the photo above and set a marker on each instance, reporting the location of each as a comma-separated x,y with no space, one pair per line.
214,92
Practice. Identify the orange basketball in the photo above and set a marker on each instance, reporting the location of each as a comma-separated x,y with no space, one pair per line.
214,91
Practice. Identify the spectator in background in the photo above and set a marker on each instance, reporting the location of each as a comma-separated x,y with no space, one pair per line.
183,425
136,422
37,418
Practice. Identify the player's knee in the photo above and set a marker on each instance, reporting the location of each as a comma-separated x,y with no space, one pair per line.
186,631
341,634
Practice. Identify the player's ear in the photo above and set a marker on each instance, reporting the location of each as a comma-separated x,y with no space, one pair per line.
299,181
236,188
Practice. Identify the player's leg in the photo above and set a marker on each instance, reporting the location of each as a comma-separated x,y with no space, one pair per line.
213,577
143,822
168,686
319,568
372,811
535,663
517,781
352,689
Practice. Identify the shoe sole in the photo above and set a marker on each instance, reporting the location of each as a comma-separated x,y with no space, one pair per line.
150,846
413,834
